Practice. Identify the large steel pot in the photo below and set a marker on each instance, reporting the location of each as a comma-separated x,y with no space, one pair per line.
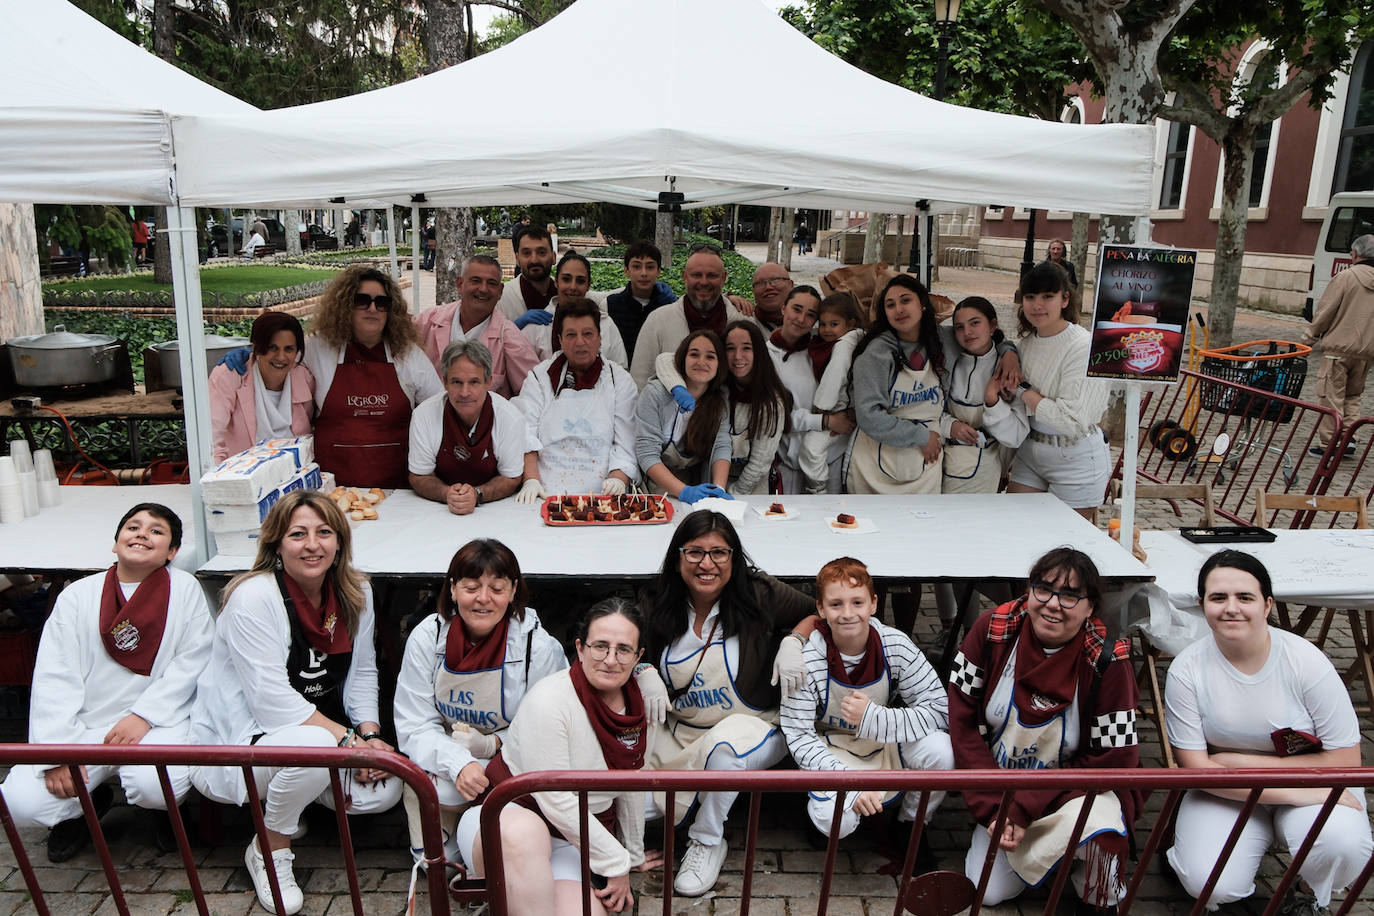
63,358
169,355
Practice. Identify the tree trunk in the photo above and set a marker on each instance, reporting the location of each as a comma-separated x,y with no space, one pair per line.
789,224
293,233
164,46
897,258
445,46
1238,152
774,233
1078,244
21,293
663,238
873,238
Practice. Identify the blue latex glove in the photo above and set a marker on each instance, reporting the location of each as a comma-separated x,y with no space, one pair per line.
699,491
685,401
664,293
236,359
534,316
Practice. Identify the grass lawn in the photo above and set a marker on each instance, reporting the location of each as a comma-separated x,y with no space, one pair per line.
231,281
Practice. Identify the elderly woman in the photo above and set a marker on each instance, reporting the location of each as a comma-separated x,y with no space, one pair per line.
686,453
1037,685
370,373
467,445
579,412
1253,695
293,665
591,717
465,672
717,628
274,398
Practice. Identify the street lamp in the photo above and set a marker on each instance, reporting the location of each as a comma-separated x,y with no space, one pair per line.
946,12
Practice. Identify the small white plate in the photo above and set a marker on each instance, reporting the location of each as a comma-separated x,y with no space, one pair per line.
787,515
733,509
865,526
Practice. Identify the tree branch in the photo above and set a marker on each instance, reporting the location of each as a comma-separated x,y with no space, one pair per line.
1194,104
510,8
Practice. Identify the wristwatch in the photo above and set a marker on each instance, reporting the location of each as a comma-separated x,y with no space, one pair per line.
480,498
1024,386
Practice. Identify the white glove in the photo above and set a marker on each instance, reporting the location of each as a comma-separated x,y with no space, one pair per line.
613,486
655,694
531,491
478,744
789,671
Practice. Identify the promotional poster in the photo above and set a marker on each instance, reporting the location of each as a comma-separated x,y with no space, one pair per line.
1141,310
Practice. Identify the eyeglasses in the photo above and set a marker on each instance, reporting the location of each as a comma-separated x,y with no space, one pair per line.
771,281
704,246
599,650
695,555
1043,593
363,301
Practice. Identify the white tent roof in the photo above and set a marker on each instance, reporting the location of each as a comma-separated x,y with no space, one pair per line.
663,80
83,117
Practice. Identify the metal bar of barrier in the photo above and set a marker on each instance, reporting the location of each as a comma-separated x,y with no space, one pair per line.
183,842
1070,851
1300,854
21,856
341,801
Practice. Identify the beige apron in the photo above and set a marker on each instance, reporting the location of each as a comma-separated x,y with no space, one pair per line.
915,394
971,468
476,699
709,714
840,736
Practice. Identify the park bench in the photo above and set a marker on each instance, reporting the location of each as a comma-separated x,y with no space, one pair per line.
62,266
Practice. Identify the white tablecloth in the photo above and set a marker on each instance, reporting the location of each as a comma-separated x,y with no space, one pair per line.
78,535
925,537
1326,567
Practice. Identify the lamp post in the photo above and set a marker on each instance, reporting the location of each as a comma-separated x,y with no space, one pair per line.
946,12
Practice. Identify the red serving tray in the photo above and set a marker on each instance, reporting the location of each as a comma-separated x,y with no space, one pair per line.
560,523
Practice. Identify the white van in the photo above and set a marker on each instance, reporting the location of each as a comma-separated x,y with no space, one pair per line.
1349,216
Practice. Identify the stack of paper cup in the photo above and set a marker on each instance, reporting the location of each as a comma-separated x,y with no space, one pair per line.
49,493
28,480
11,495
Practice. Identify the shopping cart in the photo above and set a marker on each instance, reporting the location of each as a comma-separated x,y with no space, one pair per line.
1277,366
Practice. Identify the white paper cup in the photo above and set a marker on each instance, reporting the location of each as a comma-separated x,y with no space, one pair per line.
9,472
11,504
28,491
43,466
49,493
23,458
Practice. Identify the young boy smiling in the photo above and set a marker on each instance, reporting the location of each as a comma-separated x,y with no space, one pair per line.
844,717
642,294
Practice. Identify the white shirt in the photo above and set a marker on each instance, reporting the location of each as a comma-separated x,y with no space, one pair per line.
508,436
456,332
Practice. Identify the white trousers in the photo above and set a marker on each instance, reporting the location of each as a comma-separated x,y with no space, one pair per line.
708,826
1205,821
933,752
31,804
1004,883
288,790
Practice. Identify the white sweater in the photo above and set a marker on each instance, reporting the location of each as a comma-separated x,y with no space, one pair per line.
551,732
1057,366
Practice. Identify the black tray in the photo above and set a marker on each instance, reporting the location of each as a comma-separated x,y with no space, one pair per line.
1228,534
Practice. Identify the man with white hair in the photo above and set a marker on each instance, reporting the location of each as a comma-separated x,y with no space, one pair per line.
1343,326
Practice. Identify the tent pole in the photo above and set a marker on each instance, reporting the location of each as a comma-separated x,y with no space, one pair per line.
195,373
1131,442
391,240
923,218
415,259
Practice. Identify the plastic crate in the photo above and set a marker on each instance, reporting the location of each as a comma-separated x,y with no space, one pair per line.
1282,375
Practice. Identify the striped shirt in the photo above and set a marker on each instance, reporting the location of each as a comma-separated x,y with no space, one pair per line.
917,707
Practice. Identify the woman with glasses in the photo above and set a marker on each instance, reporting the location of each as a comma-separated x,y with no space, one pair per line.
589,717
1037,685
723,634
1253,695
293,665
273,398
686,454
465,672
370,372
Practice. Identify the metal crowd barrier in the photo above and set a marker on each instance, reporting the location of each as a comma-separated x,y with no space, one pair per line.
161,756
925,895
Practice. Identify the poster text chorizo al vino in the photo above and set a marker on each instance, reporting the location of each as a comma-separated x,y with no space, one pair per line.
1140,312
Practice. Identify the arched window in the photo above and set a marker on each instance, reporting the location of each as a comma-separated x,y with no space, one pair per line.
1355,156
1265,73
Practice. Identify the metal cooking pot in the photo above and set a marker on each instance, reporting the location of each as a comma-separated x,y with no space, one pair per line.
63,358
169,355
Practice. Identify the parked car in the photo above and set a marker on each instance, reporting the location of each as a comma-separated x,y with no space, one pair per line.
1348,216
321,238
744,231
222,244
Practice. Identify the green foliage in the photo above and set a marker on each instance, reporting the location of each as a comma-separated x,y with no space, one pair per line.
227,281
106,228
506,28
611,275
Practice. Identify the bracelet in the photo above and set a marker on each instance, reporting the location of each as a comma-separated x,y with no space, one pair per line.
798,637
347,737
370,735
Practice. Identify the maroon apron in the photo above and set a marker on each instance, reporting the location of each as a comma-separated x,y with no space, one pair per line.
363,431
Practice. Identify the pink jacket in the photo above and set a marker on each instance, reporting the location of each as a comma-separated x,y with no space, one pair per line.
233,418
512,354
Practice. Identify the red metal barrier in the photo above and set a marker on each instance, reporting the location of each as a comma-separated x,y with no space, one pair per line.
162,756
1270,437
912,895
1347,474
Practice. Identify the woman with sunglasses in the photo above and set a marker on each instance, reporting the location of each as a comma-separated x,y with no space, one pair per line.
1037,685
370,373
589,717
723,634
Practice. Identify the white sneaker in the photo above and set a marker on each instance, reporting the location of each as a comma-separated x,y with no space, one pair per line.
700,868
291,897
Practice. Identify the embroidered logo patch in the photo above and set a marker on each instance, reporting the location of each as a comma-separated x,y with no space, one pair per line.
126,636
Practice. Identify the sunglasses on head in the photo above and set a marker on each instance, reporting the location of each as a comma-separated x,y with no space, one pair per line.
363,300
704,246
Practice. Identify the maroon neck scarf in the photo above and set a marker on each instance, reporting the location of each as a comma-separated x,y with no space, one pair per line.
777,340
622,736
464,458
561,375
324,629
868,670
713,319
534,299
132,630
819,349
462,654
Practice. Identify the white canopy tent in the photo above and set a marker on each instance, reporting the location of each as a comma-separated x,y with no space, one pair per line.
91,118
